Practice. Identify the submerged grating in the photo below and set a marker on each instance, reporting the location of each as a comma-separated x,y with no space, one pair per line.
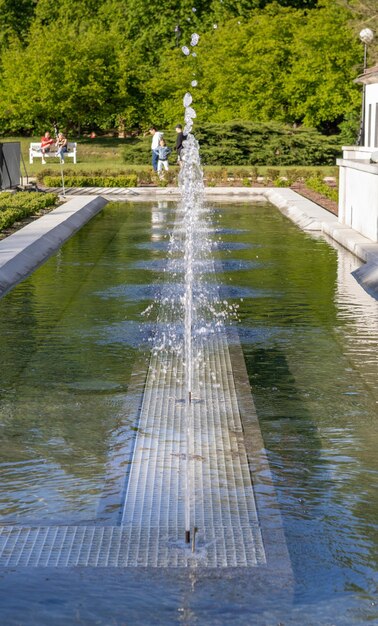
223,499
117,546
151,532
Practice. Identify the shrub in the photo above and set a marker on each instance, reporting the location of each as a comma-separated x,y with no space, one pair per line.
130,180
282,182
272,174
14,207
248,143
317,184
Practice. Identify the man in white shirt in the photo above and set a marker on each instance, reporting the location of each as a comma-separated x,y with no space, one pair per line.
156,136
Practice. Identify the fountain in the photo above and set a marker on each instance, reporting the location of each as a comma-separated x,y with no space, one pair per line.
189,499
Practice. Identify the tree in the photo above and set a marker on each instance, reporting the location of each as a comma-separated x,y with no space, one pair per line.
16,18
325,60
120,63
363,14
39,84
244,64
281,64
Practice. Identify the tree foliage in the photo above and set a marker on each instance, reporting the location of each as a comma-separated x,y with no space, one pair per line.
16,18
236,142
118,63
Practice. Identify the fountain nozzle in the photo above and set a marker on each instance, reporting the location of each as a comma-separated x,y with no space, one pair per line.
187,536
190,397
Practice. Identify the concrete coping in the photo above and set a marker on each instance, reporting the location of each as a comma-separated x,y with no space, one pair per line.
22,252
362,165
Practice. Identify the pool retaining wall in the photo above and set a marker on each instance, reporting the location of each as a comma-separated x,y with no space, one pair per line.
22,252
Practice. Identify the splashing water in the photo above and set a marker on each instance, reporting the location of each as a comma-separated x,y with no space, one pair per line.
194,40
187,99
185,320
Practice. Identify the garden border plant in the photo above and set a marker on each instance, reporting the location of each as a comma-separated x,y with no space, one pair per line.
18,206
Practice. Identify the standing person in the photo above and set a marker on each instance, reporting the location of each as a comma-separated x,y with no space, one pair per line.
179,143
46,142
61,144
162,154
156,136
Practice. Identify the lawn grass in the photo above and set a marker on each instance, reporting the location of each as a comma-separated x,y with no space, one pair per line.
105,154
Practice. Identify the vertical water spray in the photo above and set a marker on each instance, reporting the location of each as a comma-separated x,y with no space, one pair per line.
191,188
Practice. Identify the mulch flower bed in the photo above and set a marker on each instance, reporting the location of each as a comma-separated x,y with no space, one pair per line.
325,203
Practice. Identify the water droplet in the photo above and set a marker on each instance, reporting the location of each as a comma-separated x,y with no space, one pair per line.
194,83
194,40
187,100
215,25
194,9
190,113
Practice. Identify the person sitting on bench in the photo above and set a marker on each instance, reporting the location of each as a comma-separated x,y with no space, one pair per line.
46,142
61,144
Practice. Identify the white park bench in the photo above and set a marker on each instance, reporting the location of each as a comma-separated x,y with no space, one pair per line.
35,151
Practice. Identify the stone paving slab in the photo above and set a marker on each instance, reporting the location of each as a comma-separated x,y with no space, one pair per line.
26,249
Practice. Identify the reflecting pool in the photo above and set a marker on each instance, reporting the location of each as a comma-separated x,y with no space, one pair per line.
73,336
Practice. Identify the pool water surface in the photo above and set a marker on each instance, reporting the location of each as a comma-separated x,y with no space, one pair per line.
72,337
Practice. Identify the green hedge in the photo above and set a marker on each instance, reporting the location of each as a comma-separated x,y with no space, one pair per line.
249,143
130,180
14,207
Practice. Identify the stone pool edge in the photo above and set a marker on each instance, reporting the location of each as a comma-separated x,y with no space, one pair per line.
311,217
306,214
25,250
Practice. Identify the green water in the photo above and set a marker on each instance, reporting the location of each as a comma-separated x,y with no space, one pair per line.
70,339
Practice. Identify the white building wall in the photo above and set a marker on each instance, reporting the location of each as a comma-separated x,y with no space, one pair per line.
371,115
358,198
358,182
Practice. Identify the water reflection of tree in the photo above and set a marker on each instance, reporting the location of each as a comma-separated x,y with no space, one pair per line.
62,390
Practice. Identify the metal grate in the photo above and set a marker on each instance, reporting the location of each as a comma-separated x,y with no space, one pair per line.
116,546
222,501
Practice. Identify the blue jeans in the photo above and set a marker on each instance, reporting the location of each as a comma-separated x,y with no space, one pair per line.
155,159
60,152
